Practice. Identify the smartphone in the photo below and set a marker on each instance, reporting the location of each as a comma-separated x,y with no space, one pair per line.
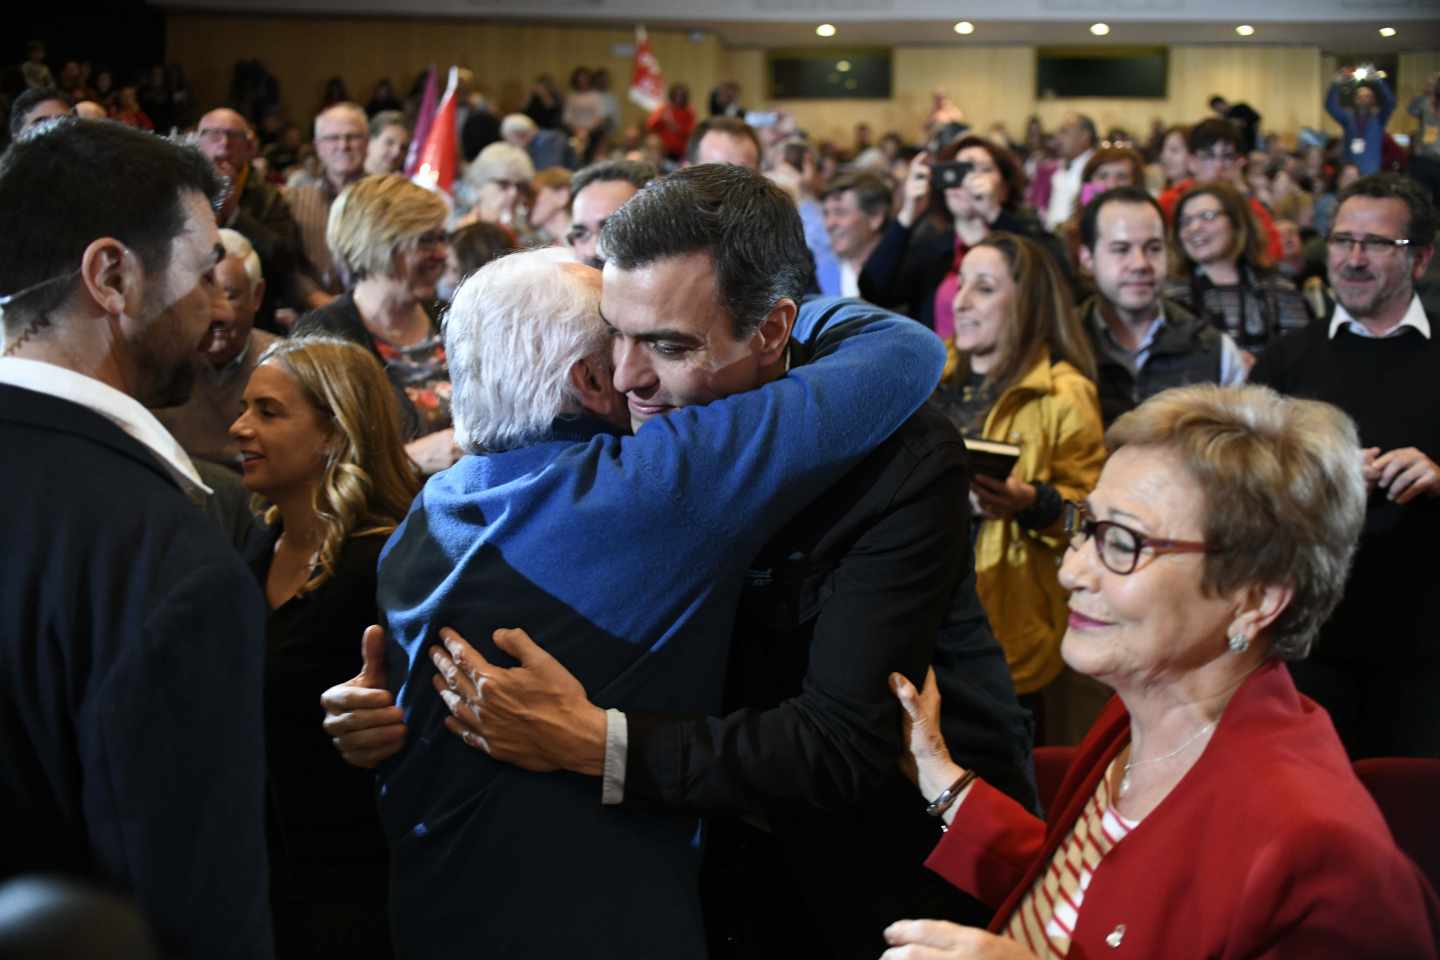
947,175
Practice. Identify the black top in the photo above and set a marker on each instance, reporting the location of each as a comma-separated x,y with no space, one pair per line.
325,838
1388,386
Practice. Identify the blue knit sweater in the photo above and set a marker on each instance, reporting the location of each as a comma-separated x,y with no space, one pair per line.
623,556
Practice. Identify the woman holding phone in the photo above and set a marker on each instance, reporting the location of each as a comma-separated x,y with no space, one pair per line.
1021,372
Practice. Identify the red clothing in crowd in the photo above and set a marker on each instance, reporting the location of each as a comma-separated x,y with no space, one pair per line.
1274,249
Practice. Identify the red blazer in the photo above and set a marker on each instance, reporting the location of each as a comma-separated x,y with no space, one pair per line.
1269,847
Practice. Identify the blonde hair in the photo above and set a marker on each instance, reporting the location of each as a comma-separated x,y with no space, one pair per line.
369,481
376,216
1283,487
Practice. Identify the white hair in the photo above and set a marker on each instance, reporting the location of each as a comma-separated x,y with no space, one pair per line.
500,161
514,331
236,245
515,124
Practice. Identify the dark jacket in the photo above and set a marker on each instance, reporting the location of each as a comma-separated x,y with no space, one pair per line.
264,218
131,747
1186,350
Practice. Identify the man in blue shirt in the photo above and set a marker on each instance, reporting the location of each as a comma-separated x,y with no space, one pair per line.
1362,125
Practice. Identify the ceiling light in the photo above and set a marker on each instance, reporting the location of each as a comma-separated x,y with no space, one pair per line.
1245,30
1387,31
825,30
965,27
843,66
1100,29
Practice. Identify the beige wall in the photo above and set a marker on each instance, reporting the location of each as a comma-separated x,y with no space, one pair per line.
303,52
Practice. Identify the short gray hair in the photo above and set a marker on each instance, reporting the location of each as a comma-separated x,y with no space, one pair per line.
1284,493
236,245
500,161
515,123
513,332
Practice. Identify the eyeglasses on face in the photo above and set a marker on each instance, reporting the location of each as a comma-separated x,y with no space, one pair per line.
1341,244
346,138
1219,156
1118,546
1200,216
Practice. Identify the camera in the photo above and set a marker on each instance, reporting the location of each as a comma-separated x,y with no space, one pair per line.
947,175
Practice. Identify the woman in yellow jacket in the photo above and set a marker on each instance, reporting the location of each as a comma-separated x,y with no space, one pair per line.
1022,372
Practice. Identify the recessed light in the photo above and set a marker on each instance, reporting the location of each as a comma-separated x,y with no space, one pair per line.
1245,30
1387,31
825,30
1100,29
843,66
965,27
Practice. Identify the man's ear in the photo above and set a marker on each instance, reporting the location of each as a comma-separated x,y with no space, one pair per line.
591,380
773,333
1087,260
110,274
1422,262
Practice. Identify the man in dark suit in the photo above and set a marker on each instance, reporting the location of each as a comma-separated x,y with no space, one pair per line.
131,636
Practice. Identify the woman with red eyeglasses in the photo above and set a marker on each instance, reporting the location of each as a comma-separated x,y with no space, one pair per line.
1211,811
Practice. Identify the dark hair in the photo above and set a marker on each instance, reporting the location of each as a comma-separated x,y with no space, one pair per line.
76,181
1216,99
1104,155
794,151
1010,171
1390,186
1090,216
1247,245
873,192
748,226
730,126
28,101
637,173
1207,133
479,243
385,119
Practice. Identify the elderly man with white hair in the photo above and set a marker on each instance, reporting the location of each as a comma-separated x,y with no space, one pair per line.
229,349
622,555
496,187
342,136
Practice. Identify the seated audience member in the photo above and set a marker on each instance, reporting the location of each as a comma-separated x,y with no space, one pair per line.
230,349
856,209
496,187
1214,147
1376,357
320,441
1222,276
130,674
797,171
1022,372
544,105
256,209
1077,140
1142,343
34,106
1362,124
1211,810
390,234
550,213
545,147
725,139
915,264
1290,199
1107,168
596,192
673,121
1174,156
342,134
472,247
480,551
389,139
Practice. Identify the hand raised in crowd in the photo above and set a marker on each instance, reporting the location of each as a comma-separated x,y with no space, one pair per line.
360,714
917,190
535,715
1403,474
1000,499
943,940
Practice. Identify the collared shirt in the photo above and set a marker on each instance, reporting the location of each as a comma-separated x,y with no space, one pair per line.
1064,188
1232,366
1414,317
120,409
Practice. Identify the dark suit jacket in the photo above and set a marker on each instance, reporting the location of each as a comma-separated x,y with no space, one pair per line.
877,576
131,651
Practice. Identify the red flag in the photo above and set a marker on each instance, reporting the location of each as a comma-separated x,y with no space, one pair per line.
435,169
647,86
422,122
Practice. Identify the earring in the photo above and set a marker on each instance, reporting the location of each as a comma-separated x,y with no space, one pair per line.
1239,643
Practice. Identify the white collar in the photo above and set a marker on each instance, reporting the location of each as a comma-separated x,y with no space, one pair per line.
1414,317
119,408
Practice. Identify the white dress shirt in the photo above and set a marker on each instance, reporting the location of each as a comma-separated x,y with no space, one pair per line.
1064,188
1414,317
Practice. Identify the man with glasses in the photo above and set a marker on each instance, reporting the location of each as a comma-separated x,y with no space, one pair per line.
1376,665
596,192
256,210
342,135
1215,156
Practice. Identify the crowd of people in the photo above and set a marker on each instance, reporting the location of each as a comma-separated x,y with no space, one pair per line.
718,519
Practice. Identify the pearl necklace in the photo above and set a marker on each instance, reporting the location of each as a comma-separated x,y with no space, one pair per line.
1131,765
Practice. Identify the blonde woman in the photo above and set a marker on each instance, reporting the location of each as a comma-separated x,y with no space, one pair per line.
320,442
390,234
1022,372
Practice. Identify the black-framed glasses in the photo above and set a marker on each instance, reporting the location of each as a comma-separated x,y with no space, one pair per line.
1341,244
1118,546
1200,216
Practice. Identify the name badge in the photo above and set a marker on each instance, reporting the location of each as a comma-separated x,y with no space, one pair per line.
1357,146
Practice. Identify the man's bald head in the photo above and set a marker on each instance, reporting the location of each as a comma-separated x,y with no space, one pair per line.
224,137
